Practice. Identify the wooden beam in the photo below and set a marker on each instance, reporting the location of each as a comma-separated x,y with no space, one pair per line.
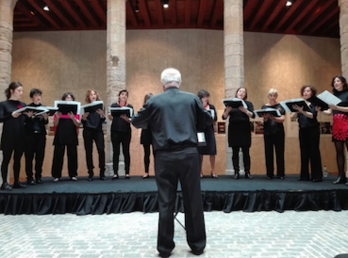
172,8
261,12
304,13
132,17
144,13
45,14
218,7
187,12
320,23
25,8
274,14
291,10
76,15
100,10
201,12
315,15
249,9
159,10
62,15
88,12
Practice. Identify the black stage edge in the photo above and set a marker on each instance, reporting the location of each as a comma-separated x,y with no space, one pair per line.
137,194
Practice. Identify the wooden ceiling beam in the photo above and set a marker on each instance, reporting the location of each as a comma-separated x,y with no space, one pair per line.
62,15
144,13
291,10
274,14
100,10
172,8
45,14
218,6
88,12
187,12
261,12
159,9
334,10
309,7
132,17
25,9
76,15
201,12
249,9
315,15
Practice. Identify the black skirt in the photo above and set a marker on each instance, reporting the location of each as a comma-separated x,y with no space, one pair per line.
210,148
146,137
239,134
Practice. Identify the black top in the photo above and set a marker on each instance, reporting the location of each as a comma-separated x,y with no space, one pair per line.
237,116
13,131
305,122
342,95
66,132
173,118
271,126
93,122
118,124
35,124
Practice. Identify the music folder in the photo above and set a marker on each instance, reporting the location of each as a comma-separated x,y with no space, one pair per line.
287,105
234,103
49,110
211,112
118,111
272,111
67,106
315,101
30,108
201,139
92,107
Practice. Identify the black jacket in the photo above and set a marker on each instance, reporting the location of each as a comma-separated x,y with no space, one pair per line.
173,117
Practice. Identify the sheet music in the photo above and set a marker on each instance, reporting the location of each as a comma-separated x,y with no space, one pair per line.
329,98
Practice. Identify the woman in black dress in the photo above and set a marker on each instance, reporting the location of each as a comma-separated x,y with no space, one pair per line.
65,136
13,133
121,133
239,132
309,136
93,131
274,136
210,147
146,141
340,124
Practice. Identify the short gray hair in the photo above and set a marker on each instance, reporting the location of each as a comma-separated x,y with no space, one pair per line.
171,77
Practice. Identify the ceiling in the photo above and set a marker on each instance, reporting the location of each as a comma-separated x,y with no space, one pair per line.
303,17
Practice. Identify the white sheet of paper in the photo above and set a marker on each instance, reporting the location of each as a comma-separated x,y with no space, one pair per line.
329,98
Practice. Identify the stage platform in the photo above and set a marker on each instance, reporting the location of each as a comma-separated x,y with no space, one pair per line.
136,194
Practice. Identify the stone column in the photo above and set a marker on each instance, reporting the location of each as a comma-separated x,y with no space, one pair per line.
234,61
6,30
116,66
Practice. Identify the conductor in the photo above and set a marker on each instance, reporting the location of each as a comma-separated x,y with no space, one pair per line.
173,117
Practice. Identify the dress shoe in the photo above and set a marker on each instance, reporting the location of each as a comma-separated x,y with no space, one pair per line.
39,181
269,177
164,254
146,175
6,187
127,176
247,175
31,182
90,178
340,180
56,180
214,175
18,185
102,178
236,176
73,178
197,252
115,177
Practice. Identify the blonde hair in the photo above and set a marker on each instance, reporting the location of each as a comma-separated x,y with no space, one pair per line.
272,91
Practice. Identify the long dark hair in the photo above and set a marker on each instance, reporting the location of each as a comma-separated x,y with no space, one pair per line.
343,80
12,86
312,88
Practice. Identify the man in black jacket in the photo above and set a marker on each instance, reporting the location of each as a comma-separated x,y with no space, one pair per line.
173,117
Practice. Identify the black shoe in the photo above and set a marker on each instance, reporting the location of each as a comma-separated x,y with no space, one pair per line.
247,175
115,177
102,178
164,255
90,178
269,177
18,185
39,181
281,178
236,175
317,180
197,252
340,180
6,187
31,182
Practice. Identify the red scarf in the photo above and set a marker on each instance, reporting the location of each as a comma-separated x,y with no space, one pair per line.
119,104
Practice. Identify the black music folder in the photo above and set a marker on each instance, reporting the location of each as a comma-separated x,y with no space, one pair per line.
287,105
315,101
30,108
67,106
272,111
118,111
92,107
49,110
234,103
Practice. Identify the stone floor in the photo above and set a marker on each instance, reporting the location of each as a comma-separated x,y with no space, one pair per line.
238,234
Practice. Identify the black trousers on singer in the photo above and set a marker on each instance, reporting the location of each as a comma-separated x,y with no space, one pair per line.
58,159
17,150
309,145
118,138
98,137
184,166
275,141
35,145
246,158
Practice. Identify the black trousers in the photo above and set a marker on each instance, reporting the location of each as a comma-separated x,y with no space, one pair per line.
171,167
58,159
275,141
118,138
246,158
35,145
17,151
98,137
147,153
309,145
